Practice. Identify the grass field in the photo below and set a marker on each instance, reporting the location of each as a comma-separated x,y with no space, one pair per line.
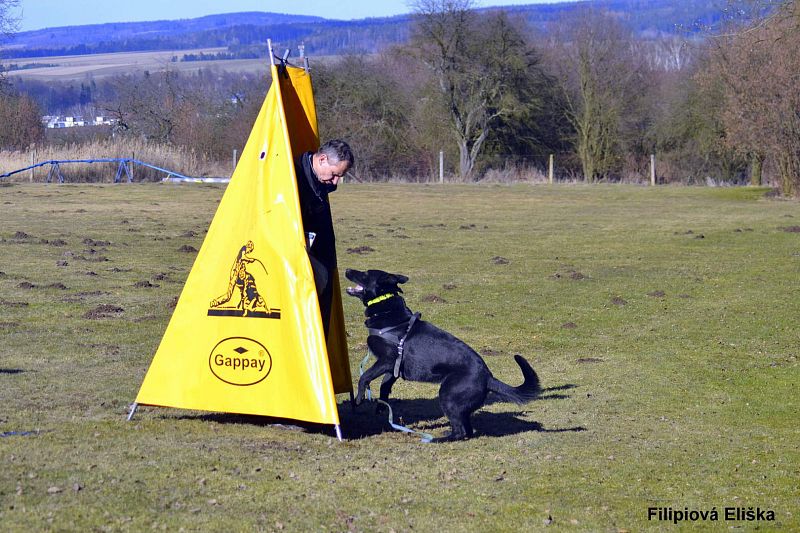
81,67
662,322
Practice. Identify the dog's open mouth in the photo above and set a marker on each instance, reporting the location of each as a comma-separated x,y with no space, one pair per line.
357,291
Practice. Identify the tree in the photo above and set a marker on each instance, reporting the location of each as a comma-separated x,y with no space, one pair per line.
758,68
596,64
20,122
8,25
475,59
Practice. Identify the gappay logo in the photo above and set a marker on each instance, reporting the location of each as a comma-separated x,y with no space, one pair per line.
243,298
240,361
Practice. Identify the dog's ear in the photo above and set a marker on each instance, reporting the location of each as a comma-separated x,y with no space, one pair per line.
399,278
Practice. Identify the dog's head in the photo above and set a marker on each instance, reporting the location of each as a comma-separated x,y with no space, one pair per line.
373,284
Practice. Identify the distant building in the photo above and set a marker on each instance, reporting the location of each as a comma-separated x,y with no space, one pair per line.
53,122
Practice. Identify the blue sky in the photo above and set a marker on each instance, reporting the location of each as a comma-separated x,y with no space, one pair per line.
37,14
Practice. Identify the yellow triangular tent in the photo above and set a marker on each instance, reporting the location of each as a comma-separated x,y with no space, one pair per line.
246,335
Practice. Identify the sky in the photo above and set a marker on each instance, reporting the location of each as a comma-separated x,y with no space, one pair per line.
37,14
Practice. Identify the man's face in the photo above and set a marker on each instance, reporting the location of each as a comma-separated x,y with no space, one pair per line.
329,172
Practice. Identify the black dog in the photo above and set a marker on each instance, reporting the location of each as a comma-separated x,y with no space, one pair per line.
419,351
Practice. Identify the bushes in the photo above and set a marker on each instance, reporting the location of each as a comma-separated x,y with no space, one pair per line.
20,121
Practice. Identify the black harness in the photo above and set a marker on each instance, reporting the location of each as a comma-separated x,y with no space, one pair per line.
396,335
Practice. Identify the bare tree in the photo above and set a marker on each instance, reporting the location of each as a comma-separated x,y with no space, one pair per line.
8,25
594,58
758,67
473,57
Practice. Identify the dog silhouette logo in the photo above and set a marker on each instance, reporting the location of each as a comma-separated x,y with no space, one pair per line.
242,297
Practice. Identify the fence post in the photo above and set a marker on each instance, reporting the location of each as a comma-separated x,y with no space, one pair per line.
441,166
652,169
33,162
133,158
550,169
235,152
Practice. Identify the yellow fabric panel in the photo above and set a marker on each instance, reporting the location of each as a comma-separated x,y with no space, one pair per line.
298,103
246,335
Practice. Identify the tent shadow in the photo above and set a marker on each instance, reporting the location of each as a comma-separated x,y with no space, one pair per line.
371,419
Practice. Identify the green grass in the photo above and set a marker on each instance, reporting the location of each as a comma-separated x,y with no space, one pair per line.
683,399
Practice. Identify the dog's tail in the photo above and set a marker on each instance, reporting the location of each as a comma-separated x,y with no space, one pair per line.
524,393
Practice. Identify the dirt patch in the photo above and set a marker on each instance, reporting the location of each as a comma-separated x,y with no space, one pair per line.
616,300
589,360
161,276
657,294
90,273
569,325
92,259
59,286
7,303
57,242
790,229
21,236
91,242
117,270
172,304
433,298
489,352
26,285
188,249
360,250
467,226
104,311
145,285
742,230
449,286
62,263
498,260
105,349
189,233
570,274
146,318
81,296
9,324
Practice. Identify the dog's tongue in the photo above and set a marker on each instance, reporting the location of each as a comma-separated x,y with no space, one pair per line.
354,291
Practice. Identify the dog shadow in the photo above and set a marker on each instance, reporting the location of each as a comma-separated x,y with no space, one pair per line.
371,419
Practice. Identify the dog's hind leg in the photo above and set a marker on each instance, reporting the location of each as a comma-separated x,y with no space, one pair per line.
386,386
386,389
460,395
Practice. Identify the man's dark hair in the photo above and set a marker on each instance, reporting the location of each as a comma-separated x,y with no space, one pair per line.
337,151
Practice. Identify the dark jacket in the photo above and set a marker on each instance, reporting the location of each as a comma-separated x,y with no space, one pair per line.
316,211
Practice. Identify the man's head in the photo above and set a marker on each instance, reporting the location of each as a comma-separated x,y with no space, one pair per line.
332,161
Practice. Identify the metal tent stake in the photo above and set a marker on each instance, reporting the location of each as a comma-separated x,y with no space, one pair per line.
134,405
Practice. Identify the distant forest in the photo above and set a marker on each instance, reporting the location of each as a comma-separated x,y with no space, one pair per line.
245,33
707,89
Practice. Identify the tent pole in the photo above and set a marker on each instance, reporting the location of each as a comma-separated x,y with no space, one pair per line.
338,432
271,55
134,405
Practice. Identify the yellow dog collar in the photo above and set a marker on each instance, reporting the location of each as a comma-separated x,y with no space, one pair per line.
380,299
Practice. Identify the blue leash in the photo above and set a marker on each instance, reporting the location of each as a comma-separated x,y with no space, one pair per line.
426,437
